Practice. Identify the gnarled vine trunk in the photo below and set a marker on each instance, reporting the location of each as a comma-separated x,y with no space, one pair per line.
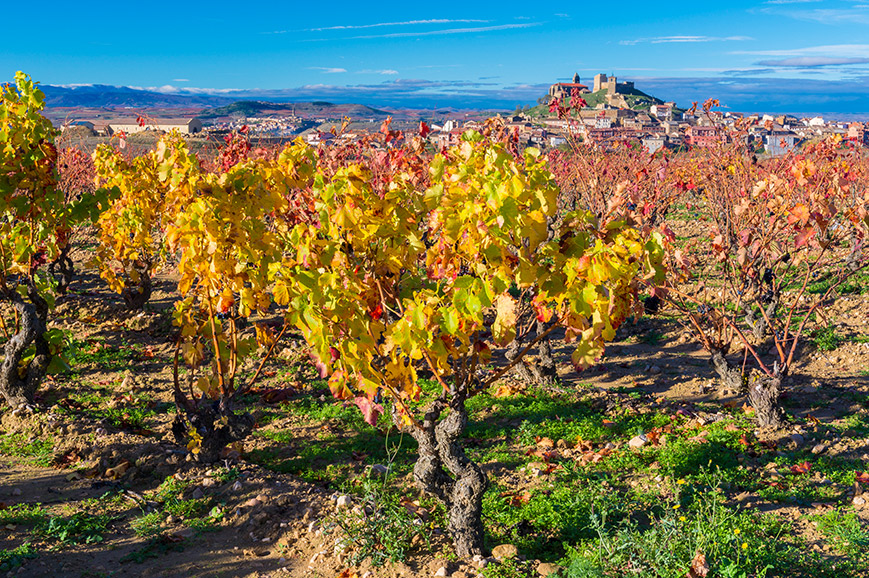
729,376
545,371
62,269
763,394
32,315
445,471
215,423
135,296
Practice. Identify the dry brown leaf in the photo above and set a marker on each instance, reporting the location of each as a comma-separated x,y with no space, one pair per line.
699,566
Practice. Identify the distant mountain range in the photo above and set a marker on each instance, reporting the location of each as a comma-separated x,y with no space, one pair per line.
105,96
248,108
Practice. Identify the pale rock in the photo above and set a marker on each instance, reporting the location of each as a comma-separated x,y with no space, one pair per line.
819,449
797,439
548,569
505,552
344,501
442,571
638,441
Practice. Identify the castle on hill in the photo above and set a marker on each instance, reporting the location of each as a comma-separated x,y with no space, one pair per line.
614,89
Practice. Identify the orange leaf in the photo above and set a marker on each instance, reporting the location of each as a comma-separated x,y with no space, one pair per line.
802,468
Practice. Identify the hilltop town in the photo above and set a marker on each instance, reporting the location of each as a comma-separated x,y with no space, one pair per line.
615,111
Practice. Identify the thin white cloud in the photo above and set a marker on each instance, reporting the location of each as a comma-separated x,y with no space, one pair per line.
327,69
385,72
830,50
405,23
450,31
856,14
180,80
812,61
792,1
684,39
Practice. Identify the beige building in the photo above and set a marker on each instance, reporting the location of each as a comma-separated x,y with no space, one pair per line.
184,126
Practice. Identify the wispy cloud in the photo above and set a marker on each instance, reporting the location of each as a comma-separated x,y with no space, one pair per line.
812,62
385,71
327,70
854,14
791,1
404,23
829,50
683,39
180,80
451,31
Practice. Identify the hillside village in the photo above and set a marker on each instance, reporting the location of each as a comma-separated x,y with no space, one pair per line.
615,112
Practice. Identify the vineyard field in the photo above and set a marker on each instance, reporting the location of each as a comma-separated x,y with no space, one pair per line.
380,359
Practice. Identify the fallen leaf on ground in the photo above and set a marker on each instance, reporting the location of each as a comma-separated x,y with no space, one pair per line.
699,566
802,468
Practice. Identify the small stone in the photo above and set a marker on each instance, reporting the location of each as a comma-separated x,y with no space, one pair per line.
548,569
343,502
252,503
262,498
236,487
858,500
638,441
442,571
654,370
16,491
797,439
198,494
819,448
505,552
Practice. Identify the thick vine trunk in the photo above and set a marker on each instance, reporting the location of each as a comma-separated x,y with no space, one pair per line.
17,389
763,394
445,471
215,423
137,295
62,269
729,377
544,372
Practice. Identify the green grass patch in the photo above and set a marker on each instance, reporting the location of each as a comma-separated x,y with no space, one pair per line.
37,451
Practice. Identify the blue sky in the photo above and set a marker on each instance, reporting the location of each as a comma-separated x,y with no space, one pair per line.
798,55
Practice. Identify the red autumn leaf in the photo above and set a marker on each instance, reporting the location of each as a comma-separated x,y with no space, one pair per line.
862,477
423,129
370,411
802,468
384,128
377,312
